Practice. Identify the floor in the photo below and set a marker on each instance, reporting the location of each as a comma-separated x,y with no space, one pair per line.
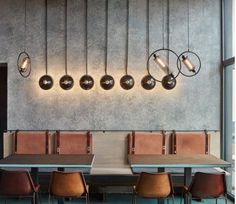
113,199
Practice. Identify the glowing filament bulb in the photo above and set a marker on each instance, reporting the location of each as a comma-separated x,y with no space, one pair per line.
190,66
160,62
24,64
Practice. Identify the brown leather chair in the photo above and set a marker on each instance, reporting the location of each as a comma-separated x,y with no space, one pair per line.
32,142
68,184
18,184
69,142
207,185
154,185
190,142
146,143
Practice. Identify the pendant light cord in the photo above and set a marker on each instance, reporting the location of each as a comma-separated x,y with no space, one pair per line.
168,30
46,36
188,23
147,33
25,27
66,37
86,35
163,24
127,39
106,37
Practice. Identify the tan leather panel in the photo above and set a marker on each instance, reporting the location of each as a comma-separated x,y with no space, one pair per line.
190,143
156,185
147,143
208,185
67,184
31,142
73,143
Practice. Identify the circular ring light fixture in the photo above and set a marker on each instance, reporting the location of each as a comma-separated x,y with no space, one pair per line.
86,82
107,82
66,82
24,64
127,82
148,82
46,82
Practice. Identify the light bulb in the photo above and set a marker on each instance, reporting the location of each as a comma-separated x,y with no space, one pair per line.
24,64
190,66
45,82
162,64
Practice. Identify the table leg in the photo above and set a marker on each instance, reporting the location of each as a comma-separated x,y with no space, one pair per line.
161,201
61,200
187,181
34,174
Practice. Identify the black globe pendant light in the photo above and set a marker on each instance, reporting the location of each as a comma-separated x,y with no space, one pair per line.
107,82
127,81
148,82
46,81
23,60
168,81
66,81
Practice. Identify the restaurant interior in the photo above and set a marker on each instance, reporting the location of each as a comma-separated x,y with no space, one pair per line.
117,101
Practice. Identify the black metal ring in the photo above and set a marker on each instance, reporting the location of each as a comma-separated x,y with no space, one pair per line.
18,64
179,68
167,49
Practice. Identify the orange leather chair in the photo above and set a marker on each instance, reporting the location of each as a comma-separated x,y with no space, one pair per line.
154,185
68,184
69,142
18,184
146,143
207,185
190,142
32,142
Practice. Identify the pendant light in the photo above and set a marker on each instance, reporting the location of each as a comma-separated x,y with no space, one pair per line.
187,57
127,81
147,81
66,81
107,82
86,81
169,80
23,60
46,81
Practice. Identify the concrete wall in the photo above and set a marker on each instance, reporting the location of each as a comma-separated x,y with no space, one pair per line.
193,104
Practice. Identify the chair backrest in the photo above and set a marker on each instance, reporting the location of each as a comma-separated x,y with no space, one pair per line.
146,143
67,184
32,142
73,142
208,185
190,142
16,183
154,185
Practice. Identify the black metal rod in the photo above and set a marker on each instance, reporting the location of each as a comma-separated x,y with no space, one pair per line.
66,37
25,25
127,39
106,36
86,35
46,36
147,32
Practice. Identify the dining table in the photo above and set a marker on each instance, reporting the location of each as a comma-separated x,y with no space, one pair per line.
187,162
81,162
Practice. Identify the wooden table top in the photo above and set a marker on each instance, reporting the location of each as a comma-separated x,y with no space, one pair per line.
172,160
47,161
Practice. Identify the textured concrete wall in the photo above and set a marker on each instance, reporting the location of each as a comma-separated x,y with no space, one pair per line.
193,104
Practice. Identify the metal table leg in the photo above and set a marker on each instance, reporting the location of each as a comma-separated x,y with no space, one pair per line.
187,181
161,201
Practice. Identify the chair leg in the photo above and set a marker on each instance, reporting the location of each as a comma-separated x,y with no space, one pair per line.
173,199
133,198
216,200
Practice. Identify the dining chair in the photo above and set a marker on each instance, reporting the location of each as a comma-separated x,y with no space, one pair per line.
154,185
206,185
18,184
32,142
68,185
146,143
73,142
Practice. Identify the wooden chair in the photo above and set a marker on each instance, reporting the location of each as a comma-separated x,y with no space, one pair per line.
154,185
32,142
146,143
207,185
18,184
69,142
190,142
68,184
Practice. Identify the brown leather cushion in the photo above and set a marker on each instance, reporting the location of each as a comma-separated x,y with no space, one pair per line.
31,142
73,143
190,143
146,143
